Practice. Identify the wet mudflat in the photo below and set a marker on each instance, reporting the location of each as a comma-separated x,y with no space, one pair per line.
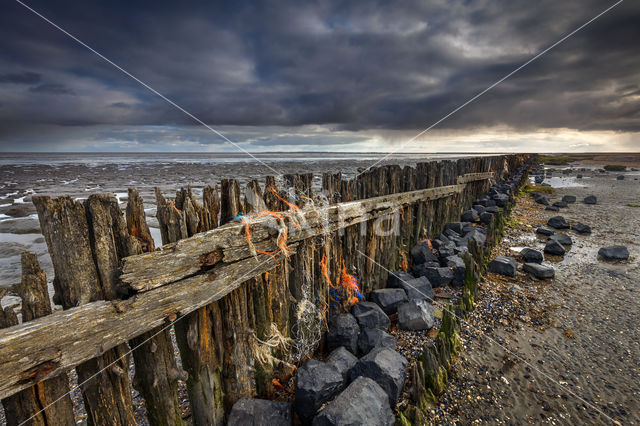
562,351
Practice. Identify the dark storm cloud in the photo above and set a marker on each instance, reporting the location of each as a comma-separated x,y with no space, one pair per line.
20,78
56,89
352,65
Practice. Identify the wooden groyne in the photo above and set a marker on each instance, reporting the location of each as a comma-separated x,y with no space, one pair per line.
246,277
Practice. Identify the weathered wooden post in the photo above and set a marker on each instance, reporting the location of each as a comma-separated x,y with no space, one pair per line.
198,334
237,371
48,402
157,374
76,249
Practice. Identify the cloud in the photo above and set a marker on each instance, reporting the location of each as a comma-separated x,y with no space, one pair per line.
354,67
25,77
55,89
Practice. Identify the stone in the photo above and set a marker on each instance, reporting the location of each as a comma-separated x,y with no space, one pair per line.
554,247
542,272
620,177
371,338
479,208
421,253
492,209
563,239
417,288
343,331
552,208
501,199
591,199
396,277
388,299
387,368
260,412
342,360
614,253
579,176
531,256
581,228
486,218
476,234
560,204
541,199
363,402
503,265
370,315
458,267
558,222
316,383
455,227
415,315
470,216
437,276
419,270
544,231
569,199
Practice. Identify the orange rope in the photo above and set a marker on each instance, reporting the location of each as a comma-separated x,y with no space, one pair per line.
405,265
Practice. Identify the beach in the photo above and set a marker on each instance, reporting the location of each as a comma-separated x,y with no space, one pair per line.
560,351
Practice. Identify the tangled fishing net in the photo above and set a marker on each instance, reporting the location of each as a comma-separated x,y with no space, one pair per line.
311,311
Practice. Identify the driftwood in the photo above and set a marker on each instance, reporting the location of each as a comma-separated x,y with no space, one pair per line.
47,402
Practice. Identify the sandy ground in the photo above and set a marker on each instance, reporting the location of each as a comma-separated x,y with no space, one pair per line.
565,351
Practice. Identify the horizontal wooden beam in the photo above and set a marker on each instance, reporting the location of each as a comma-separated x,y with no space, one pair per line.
43,348
229,244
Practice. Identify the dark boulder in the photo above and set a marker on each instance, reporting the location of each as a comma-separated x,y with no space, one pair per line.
371,338
558,222
421,253
581,228
541,199
560,204
456,227
503,265
501,199
477,234
388,299
552,208
591,199
579,176
542,272
479,208
419,270
370,315
531,256
415,315
396,277
614,253
544,231
492,209
437,276
386,367
417,288
343,331
486,218
470,216
363,402
316,383
569,199
620,177
260,412
342,360
563,239
554,247
458,267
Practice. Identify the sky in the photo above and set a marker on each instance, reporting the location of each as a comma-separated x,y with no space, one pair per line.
323,76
